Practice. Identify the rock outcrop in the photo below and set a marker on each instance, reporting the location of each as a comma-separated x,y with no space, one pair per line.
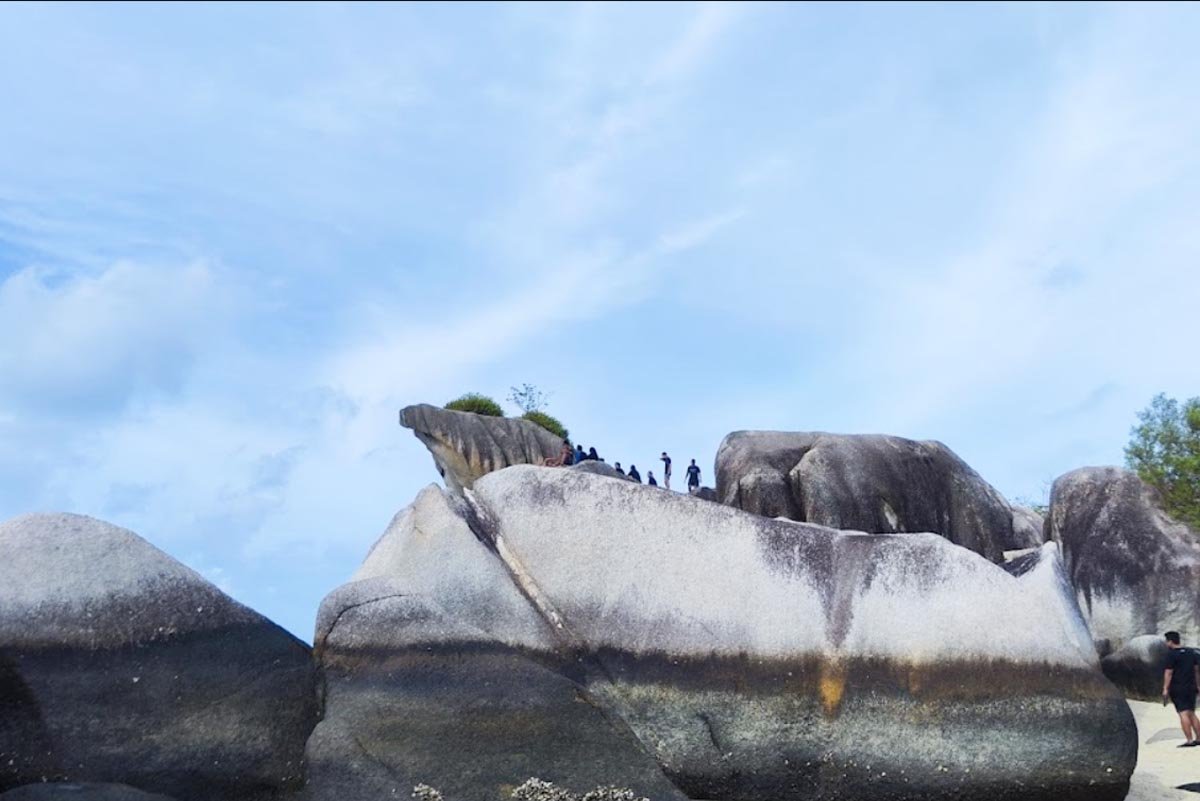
438,669
1028,529
1137,667
864,482
118,664
466,446
1135,569
748,658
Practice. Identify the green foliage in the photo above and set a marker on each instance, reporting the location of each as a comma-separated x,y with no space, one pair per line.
547,422
474,402
528,398
1164,449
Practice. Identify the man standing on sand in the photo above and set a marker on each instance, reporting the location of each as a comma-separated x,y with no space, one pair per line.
1180,682
666,460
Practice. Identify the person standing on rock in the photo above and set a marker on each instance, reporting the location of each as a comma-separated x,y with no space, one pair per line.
666,460
634,474
693,477
1181,680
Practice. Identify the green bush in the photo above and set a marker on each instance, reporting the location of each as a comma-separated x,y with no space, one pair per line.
547,422
476,403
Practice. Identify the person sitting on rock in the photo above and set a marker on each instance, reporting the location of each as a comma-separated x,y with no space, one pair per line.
580,456
650,482
1181,679
634,474
564,458
693,475
617,467
595,457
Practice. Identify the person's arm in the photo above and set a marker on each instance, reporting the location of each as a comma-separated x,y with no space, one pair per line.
1167,681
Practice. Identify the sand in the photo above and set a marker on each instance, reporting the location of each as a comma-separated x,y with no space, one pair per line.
1161,766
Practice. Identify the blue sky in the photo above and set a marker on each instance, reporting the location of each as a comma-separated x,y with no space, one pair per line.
234,240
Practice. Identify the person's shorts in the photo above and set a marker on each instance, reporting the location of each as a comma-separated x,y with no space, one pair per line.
1184,702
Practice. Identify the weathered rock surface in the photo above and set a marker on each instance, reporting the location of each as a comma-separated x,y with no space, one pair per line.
1028,529
1135,569
600,469
752,658
438,670
1137,667
65,791
466,446
121,665
865,482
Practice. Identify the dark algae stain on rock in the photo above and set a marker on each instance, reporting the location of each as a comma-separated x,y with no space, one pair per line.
130,668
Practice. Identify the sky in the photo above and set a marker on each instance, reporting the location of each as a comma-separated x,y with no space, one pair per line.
236,239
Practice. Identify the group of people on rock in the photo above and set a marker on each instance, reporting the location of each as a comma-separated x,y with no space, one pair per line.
568,456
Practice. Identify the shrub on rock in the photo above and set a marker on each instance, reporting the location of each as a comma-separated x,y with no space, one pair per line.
547,422
476,403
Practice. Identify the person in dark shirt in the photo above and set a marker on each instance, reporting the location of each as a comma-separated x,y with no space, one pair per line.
650,479
617,467
666,460
634,474
693,474
580,456
1180,682
595,457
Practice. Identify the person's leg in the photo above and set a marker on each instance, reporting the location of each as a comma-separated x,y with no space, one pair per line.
1191,723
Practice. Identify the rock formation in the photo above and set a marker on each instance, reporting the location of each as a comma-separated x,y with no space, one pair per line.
1028,528
748,658
866,482
1135,569
1137,667
438,670
466,446
118,664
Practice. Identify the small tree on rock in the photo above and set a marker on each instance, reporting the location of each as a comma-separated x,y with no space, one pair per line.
528,398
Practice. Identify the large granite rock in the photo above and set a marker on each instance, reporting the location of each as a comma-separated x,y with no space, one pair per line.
753,659
67,791
1137,667
1135,569
118,664
438,670
466,446
865,482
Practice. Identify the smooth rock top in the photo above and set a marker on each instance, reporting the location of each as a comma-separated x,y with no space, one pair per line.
1136,569
865,482
466,446
654,571
74,580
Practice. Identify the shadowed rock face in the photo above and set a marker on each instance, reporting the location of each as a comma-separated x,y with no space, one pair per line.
1137,667
466,446
866,482
748,658
122,665
1136,570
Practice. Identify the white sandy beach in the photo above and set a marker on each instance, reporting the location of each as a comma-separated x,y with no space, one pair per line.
1162,766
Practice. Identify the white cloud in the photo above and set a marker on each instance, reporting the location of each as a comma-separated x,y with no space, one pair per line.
91,342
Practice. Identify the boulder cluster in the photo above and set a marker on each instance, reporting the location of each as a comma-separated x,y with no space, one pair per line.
856,616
